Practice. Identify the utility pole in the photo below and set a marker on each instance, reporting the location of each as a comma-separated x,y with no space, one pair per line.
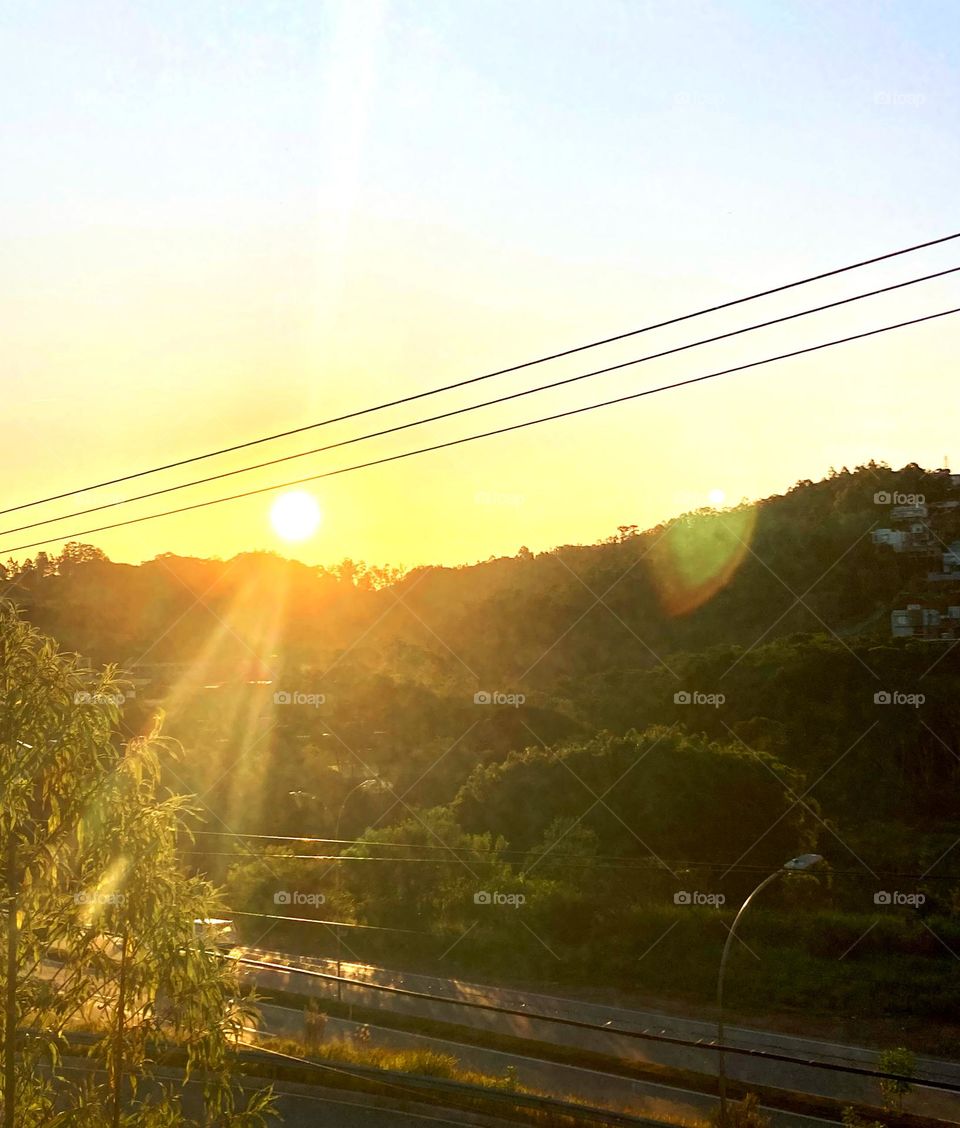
10,1000
795,865
116,1068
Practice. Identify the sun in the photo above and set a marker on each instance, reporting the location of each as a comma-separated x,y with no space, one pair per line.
295,516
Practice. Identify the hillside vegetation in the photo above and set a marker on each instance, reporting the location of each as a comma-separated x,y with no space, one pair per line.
591,731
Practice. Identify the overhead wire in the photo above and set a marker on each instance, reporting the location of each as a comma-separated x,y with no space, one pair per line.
782,288
60,538
454,412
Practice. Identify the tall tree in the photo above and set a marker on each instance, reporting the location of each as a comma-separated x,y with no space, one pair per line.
90,877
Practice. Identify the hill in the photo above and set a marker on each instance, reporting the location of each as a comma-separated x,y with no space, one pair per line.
782,607
692,703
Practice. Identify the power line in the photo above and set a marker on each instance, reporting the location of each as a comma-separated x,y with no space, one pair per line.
330,923
418,1083
477,406
502,855
559,1020
637,865
509,855
483,434
346,1070
460,855
486,376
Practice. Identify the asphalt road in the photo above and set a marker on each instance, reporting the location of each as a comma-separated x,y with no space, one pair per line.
798,1078
307,1110
601,1089
641,1098
302,1106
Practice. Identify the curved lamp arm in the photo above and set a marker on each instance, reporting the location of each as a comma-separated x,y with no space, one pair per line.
795,865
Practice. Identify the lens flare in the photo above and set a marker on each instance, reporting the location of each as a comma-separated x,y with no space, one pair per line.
698,556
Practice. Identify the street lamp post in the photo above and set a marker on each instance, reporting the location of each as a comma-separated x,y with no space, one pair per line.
795,865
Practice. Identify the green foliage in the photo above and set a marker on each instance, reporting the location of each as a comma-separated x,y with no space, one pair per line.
399,700
427,1062
91,874
599,762
665,792
744,1114
900,1061
852,1119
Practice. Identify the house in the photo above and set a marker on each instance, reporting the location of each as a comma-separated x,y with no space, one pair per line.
916,621
908,512
953,479
918,538
895,538
950,569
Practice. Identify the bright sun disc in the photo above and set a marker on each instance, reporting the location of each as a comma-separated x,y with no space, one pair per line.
295,516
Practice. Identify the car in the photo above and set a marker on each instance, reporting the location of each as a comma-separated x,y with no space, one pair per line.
217,930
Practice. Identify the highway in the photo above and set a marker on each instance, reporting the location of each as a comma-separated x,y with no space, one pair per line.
643,1098
307,1110
783,1075
303,1106
604,1090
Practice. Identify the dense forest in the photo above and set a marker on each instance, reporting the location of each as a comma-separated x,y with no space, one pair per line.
592,730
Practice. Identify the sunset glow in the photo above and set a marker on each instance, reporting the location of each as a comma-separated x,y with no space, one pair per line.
295,516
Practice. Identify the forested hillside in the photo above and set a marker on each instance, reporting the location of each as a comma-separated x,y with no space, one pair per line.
781,607
681,700
704,578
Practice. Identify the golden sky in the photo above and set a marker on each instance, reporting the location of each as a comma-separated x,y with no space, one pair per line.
227,222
